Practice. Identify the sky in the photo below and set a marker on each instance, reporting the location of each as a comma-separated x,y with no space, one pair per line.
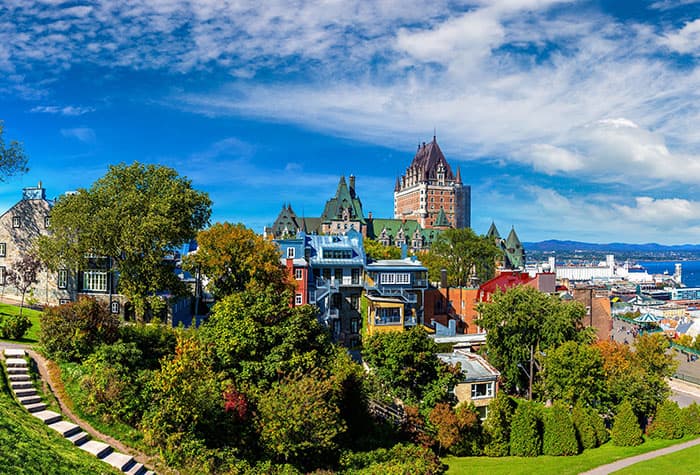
569,119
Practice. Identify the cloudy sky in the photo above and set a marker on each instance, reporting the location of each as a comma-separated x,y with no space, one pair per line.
569,119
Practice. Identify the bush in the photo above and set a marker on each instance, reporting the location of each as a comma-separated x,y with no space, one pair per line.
399,460
526,430
559,432
601,432
691,419
72,331
154,340
626,431
667,423
497,426
13,327
585,432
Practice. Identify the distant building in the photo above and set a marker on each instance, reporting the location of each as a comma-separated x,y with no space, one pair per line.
430,193
511,247
479,382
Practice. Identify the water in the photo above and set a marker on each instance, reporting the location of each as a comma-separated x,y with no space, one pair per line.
691,270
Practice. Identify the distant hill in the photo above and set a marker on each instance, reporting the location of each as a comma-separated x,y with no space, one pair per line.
570,246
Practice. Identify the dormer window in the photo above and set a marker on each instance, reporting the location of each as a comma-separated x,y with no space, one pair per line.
290,253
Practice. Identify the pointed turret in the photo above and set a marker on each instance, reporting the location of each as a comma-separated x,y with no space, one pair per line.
514,253
493,232
459,176
397,186
441,220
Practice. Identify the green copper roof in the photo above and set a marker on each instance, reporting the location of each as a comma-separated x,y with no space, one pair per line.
493,232
344,198
441,219
392,226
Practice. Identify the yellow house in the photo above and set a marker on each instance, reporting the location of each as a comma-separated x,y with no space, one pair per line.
479,384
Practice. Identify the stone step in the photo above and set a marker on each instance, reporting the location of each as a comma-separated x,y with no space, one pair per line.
18,370
79,438
120,461
35,407
27,400
48,417
96,448
21,385
19,377
136,469
16,363
15,353
25,392
65,428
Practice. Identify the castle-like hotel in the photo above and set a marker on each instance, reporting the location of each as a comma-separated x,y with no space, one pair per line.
428,198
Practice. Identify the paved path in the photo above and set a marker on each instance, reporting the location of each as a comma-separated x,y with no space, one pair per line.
620,464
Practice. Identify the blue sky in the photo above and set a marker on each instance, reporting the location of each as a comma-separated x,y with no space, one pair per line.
570,120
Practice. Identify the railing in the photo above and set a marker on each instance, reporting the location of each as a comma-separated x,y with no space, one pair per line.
687,378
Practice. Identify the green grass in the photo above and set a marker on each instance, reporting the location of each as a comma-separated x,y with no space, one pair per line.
546,464
71,373
683,462
27,446
32,335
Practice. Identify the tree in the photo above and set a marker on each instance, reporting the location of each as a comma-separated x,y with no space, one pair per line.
13,161
406,363
625,430
377,251
23,274
135,215
464,255
234,258
522,322
667,423
299,420
559,433
497,425
526,431
585,432
573,373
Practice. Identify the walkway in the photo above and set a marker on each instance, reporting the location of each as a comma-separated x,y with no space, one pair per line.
26,395
620,464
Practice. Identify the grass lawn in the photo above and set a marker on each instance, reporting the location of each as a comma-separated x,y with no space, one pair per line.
32,335
547,464
683,462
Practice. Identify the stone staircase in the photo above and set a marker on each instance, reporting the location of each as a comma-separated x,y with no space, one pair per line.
26,395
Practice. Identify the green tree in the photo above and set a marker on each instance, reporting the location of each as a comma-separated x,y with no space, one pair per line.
667,423
526,430
625,430
585,432
235,258
135,215
573,373
464,255
13,160
299,421
378,251
691,419
71,332
407,364
497,425
522,322
559,434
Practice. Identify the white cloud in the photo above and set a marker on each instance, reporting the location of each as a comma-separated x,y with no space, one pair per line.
62,110
685,40
83,134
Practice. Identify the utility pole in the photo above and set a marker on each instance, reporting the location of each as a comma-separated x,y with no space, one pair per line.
532,363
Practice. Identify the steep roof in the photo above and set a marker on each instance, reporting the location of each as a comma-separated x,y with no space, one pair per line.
344,198
428,157
493,232
441,220
286,221
392,226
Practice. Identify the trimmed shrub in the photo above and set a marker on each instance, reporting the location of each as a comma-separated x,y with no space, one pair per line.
626,431
667,423
497,426
13,327
601,432
559,433
399,460
526,430
585,432
691,419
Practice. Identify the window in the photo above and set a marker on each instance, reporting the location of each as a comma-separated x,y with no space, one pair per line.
95,281
47,221
63,301
355,325
339,274
62,279
298,299
398,278
355,302
2,275
355,276
480,390
15,222
298,274
337,254
3,249
115,307
290,253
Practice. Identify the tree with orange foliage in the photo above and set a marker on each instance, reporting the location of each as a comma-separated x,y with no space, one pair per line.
235,258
